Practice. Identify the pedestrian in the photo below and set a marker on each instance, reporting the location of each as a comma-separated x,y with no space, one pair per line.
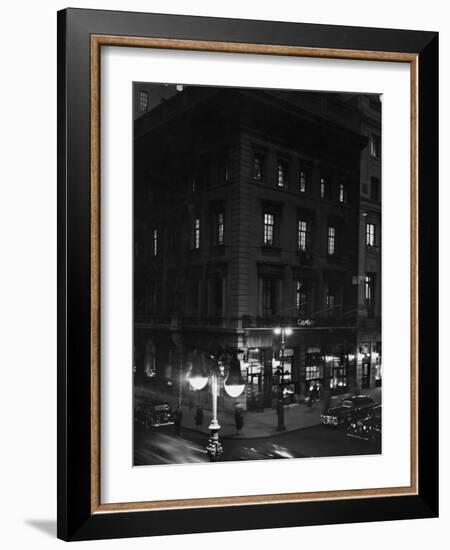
238,419
198,416
178,417
260,402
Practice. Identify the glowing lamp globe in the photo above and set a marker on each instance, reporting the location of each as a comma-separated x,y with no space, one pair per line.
199,376
234,383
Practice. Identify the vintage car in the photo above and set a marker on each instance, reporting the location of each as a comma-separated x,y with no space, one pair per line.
153,414
368,428
349,410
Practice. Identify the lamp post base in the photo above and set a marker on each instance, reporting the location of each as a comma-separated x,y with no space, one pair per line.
214,447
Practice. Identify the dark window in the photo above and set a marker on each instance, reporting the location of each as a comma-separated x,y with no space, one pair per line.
269,223
258,167
370,234
302,235
220,227
218,296
375,189
195,297
331,240
375,146
282,174
143,101
331,301
269,297
370,293
301,300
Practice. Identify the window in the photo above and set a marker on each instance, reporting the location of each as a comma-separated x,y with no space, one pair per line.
196,236
195,297
375,189
220,228
257,167
269,223
323,188
143,101
302,237
227,170
269,297
342,195
375,146
370,293
151,297
331,240
314,368
301,300
370,234
216,296
303,181
331,301
193,185
155,243
338,376
282,174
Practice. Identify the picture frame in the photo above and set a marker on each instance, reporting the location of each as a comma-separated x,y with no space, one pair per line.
81,36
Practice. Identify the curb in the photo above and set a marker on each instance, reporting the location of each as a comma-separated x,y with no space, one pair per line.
264,436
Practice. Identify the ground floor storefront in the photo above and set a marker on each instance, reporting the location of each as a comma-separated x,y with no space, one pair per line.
305,362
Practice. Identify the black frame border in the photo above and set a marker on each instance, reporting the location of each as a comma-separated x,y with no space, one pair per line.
75,521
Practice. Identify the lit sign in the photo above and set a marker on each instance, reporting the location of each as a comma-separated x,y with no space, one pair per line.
305,322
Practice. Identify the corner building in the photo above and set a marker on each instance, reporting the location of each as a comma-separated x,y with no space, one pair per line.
247,208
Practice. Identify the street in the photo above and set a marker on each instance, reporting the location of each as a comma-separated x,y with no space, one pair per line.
165,447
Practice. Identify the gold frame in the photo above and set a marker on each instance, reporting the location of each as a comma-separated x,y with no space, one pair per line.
97,41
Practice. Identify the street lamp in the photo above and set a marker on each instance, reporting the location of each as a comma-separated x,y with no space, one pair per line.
204,368
284,331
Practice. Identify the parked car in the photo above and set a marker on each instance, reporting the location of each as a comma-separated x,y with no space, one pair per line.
368,428
349,410
154,414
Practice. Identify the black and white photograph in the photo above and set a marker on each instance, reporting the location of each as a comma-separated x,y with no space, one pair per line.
257,274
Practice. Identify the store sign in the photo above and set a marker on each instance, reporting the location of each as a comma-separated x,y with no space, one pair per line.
288,352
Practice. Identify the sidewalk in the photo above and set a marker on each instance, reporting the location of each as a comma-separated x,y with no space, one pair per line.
260,424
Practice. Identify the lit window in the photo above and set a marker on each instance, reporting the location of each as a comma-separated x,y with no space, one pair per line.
370,234
302,237
302,181
257,167
268,229
282,174
196,240
331,240
375,146
155,242
369,292
220,228
341,192
143,101
323,188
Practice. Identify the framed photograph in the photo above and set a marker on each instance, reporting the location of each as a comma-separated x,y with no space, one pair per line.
247,242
